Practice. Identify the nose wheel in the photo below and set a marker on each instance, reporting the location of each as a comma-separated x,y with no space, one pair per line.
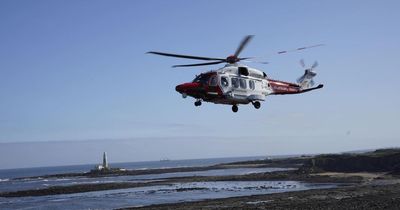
256,104
235,108
197,103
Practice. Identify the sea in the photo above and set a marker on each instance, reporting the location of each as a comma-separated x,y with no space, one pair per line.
29,178
40,171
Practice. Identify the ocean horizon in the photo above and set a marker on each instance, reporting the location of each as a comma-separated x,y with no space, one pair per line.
12,173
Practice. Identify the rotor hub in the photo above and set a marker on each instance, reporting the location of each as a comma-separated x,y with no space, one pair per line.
232,59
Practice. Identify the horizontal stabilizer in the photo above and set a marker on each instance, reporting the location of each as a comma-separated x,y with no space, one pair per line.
314,88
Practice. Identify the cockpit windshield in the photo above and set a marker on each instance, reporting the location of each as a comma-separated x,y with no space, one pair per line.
202,78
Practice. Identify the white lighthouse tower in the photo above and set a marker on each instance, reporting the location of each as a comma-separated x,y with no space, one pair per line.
102,167
105,162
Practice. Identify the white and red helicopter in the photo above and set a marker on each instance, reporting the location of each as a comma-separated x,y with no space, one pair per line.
236,83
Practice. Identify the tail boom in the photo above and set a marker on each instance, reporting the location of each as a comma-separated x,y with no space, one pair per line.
285,88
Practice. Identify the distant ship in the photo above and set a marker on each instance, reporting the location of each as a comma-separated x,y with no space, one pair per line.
165,160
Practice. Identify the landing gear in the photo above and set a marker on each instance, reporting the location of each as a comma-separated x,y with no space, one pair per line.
235,108
197,103
256,104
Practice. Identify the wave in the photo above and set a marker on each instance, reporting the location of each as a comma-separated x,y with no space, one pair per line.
62,179
58,200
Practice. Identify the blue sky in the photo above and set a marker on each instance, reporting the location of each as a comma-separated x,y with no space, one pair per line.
76,71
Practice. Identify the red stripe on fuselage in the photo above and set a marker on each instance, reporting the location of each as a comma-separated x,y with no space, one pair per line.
281,87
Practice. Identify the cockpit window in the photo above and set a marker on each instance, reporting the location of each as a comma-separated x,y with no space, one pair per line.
202,78
213,81
224,82
235,82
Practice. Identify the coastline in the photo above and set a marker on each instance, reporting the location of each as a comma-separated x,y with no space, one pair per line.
355,187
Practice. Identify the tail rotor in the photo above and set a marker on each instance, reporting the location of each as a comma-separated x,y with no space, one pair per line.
306,81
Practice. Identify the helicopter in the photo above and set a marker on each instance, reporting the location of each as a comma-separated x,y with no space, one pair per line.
236,83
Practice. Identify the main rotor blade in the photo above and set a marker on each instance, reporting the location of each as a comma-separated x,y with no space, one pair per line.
243,44
186,56
300,48
246,58
199,64
253,61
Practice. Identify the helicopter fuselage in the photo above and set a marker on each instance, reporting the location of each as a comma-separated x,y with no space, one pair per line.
236,84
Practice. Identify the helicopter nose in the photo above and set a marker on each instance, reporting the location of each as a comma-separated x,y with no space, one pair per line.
186,87
179,88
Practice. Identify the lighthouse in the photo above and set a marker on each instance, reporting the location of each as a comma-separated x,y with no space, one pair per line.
105,162
105,168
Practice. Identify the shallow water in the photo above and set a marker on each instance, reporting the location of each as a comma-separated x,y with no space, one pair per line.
38,183
142,196
110,199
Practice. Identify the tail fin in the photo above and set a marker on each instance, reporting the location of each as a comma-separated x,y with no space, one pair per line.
306,81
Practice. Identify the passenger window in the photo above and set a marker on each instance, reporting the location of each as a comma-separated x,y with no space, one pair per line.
213,81
224,82
235,82
243,83
251,84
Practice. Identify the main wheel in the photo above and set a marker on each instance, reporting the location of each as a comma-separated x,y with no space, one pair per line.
235,108
257,104
197,103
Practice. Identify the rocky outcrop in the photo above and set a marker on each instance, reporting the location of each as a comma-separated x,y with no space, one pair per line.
384,160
